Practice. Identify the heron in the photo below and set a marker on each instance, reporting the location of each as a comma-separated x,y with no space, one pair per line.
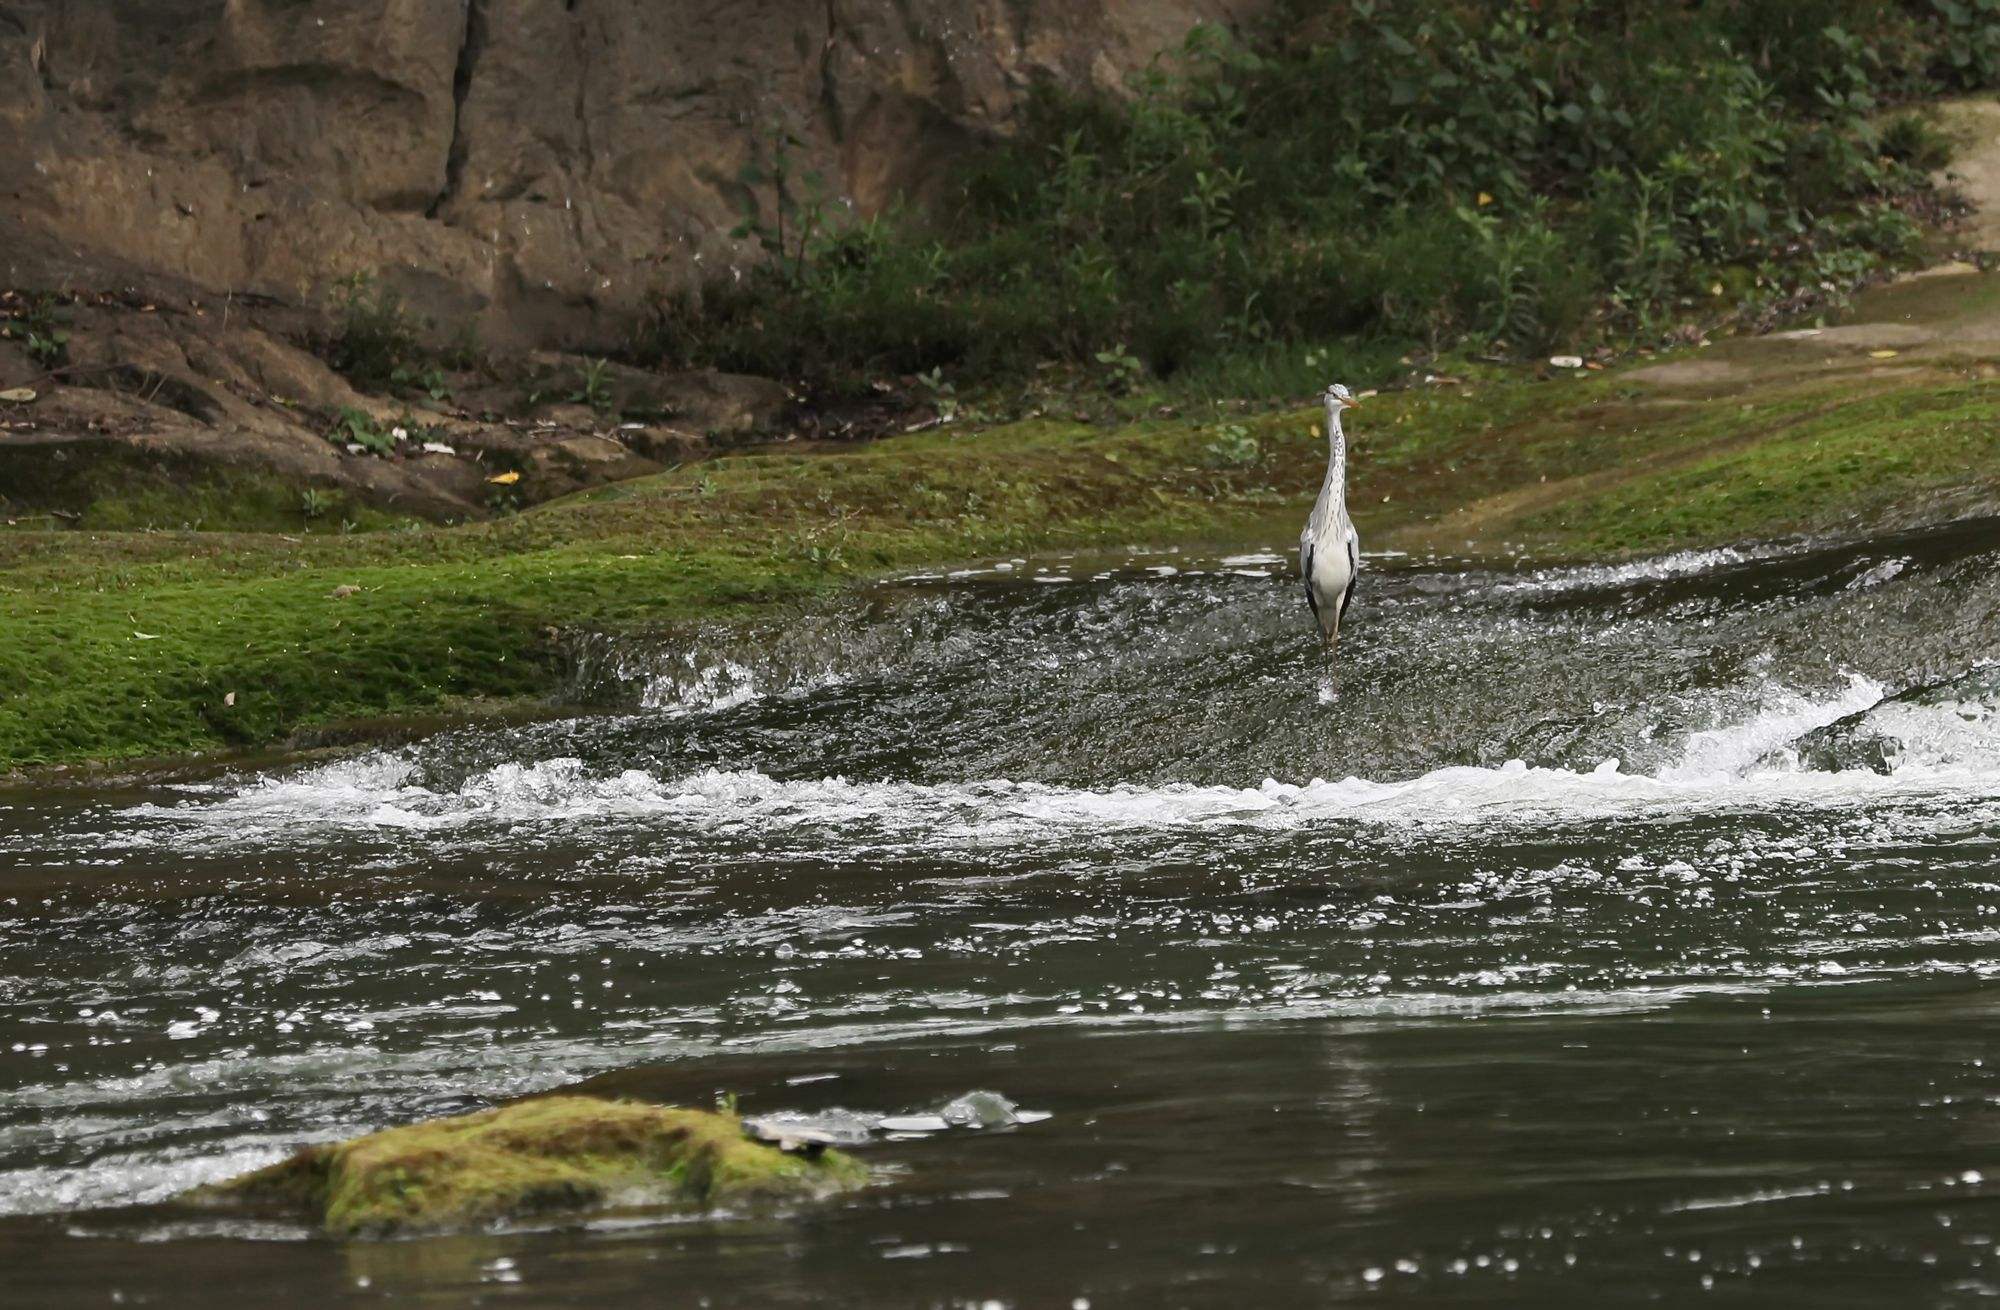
1329,550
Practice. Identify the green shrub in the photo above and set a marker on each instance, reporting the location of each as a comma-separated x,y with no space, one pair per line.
1968,54
1497,175
375,341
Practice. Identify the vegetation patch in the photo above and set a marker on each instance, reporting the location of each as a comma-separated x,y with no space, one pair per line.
540,1157
1494,176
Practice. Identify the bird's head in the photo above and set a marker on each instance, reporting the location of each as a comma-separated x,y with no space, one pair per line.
1338,397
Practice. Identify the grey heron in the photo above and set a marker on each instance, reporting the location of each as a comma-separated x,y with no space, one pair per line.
1329,550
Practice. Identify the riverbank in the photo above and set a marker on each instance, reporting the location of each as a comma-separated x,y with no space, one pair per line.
116,647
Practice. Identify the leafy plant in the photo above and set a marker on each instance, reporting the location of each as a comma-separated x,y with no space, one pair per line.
799,203
38,328
1968,53
594,385
354,427
1122,370
943,395
314,503
1233,447
431,381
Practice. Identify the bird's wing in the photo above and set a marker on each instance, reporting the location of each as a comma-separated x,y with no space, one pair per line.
1306,569
1353,569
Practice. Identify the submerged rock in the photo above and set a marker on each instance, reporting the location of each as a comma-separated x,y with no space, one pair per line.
537,1157
981,1110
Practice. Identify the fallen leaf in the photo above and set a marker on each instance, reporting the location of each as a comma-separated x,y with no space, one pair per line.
506,479
1883,354
438,448
1484,199
343,591
18,395
230,699
146,636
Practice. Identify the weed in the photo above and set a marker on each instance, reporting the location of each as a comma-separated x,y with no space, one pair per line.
594,386
39,329
792,229
1912,138
1123,371
431,381
822,546
314,503
1233,447
375,341
353,427
943,395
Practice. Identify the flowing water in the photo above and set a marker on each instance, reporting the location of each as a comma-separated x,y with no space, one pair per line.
1612,936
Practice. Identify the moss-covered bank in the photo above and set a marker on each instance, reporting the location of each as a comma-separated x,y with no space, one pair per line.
118,646
558,1154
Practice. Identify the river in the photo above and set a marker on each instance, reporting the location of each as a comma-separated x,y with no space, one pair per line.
1610,935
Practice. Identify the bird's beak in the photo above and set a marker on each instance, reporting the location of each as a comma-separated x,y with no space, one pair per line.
1350,404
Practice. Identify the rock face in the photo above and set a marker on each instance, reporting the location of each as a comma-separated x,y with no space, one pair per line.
560,1153
537,167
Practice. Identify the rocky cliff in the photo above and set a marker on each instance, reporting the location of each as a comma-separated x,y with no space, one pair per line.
537,167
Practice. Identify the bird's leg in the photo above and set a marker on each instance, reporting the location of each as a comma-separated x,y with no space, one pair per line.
1329,677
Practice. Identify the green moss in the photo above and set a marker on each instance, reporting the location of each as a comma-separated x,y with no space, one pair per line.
1808,463
536,1157
115,646
128,489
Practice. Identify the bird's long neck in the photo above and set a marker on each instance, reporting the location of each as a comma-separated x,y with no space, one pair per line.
1336,460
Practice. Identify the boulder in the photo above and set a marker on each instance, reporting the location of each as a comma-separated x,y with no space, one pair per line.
547,1156
541,169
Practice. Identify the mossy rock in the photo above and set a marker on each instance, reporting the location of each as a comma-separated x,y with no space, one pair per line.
556,1154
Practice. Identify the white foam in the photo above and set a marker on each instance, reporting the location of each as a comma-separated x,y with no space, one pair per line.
1728,769
1678,564
131,1179
1726,754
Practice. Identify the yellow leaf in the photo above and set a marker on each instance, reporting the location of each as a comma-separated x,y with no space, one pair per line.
506,479
1882,354
1484,199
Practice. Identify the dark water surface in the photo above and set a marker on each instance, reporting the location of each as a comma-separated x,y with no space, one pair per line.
1616,936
